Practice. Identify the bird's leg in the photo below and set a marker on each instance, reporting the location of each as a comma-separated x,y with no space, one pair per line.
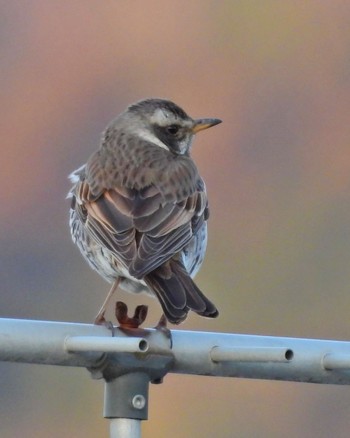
100,317
125,321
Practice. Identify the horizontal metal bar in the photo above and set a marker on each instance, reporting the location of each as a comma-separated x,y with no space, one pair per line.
250,354
42,342
105,345
201,353
303,362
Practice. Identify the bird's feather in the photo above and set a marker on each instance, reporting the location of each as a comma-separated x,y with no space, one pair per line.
178,293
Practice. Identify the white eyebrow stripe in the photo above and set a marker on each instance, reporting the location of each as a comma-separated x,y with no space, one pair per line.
160,117
148,136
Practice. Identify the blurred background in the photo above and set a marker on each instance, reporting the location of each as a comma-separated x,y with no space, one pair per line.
277,172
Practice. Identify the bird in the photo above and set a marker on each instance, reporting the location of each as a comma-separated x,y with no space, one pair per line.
139,209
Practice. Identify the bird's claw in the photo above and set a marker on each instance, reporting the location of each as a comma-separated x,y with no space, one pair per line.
163,327
100,320
162,323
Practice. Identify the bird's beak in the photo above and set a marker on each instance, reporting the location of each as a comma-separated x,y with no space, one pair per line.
201,124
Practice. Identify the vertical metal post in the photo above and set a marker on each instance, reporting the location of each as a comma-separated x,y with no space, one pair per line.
126,404
125,428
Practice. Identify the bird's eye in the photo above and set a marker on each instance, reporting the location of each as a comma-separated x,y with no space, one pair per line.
172,129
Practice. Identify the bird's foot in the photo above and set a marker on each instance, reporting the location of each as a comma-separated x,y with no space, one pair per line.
163,327
100,320
125,321
162,323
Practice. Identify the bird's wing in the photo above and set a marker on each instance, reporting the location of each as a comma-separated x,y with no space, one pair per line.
141,228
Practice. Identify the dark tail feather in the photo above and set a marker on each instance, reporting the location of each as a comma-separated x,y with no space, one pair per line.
177,293
196,300
171,295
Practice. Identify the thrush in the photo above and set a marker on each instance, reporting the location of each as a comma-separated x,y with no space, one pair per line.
139,208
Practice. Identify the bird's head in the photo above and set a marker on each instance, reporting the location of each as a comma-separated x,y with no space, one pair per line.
165,124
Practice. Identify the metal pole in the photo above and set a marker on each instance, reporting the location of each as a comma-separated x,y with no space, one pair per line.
250,354
129,359
183,352
126,404
125,428
73,344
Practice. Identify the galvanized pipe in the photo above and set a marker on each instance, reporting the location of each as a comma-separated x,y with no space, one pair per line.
201,353
125,428
336,361
74,344
250,354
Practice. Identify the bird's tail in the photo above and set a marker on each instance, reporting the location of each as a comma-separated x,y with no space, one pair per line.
178,293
